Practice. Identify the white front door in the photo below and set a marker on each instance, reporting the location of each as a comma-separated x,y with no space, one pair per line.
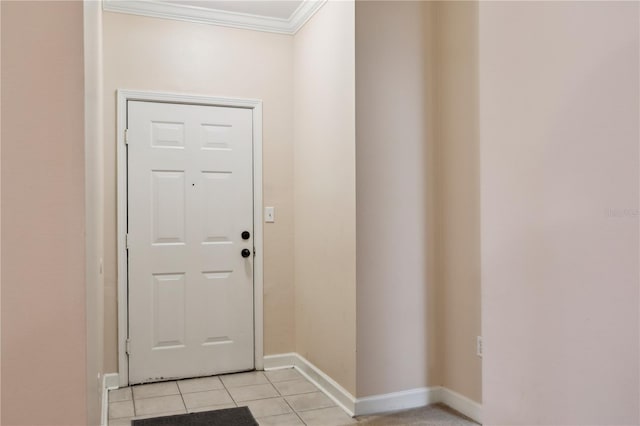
190,240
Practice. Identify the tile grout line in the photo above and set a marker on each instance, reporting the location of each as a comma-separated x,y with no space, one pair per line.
184,403
110,403
295,412
306,393
227,390
302,378
224,388
287,402
133,400
279,394
254,384
160,414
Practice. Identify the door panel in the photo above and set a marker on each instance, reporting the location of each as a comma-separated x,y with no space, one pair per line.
168,209
168,310
190,197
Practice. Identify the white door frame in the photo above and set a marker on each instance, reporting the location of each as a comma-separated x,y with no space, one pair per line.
256,106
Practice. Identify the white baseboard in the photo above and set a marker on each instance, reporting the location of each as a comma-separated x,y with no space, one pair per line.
280,361
330,387
461,403
414,398
402,400
109,381
326,384
395,401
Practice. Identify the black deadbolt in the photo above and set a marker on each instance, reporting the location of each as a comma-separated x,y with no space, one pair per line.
246,253
245,235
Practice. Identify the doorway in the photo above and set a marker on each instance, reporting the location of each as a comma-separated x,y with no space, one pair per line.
189,171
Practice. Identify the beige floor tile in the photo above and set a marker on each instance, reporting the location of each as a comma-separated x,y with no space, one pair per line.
121,409
333,416
283,420
159,405
268,407
211,408
244,379
283,375
155,389
200,385
309,401
249,393
121,422
295,387
122,394
203,399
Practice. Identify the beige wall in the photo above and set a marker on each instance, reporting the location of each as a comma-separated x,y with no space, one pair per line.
0,214
163,55
556,136
559,135
94,207
395,191
43,278
324,189
458,198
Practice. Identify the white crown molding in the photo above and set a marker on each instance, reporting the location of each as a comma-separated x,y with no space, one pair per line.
224,18
303,13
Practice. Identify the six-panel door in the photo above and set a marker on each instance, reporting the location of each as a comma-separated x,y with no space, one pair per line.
190,198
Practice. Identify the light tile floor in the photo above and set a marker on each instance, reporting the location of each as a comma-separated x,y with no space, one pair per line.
278,398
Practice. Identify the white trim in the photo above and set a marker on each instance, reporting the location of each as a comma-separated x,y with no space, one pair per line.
93,204
256,106
202,15
402,400
326,384
419,397
330,387
280,361
303,13
121,221
461,403
394,401
258,260
109,382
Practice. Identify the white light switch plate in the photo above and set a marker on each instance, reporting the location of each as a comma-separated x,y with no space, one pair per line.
269,215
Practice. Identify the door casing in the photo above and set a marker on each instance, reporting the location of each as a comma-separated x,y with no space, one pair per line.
256,107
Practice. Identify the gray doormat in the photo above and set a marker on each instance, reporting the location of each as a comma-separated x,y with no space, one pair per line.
240,416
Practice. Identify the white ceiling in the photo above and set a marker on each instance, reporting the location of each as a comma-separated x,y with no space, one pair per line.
280,9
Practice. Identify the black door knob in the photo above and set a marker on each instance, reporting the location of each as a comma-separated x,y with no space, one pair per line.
245,253
246,235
